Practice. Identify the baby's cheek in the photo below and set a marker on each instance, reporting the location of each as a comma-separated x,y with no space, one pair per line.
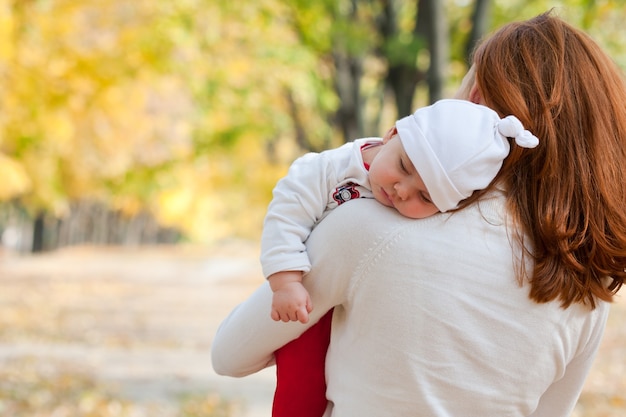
381,199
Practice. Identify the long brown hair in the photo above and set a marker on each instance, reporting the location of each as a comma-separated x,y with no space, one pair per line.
568,195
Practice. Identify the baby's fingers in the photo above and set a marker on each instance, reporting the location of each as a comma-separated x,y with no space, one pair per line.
302,315
284,316
275,315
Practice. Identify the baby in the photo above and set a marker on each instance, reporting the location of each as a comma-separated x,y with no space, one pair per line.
430,162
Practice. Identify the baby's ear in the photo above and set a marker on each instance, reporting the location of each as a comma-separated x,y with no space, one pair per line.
390,133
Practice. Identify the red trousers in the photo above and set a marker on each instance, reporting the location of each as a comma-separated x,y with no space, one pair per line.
300,380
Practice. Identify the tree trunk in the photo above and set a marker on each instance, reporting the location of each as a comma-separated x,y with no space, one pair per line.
38,232
403,75
431,22
480,24
348,75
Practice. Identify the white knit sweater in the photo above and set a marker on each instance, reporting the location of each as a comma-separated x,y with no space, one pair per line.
429,320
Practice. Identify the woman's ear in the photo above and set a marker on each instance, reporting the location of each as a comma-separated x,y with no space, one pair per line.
474,95
468,81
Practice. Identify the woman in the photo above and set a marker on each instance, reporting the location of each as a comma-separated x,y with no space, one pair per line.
498,308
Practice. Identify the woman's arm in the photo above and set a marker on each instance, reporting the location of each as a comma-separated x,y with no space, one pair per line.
561,397
245,342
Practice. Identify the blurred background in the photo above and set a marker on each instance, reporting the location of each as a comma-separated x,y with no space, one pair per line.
139,145
148,121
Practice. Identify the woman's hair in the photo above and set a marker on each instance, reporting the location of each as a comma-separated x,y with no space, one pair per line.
568,195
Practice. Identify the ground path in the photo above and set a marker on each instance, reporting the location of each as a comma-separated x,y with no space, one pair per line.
142,320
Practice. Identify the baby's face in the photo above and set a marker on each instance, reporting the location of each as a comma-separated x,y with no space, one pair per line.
396,183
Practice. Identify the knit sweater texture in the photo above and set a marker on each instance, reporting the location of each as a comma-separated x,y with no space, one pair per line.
430,319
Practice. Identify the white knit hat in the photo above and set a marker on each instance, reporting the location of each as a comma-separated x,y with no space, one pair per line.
458,147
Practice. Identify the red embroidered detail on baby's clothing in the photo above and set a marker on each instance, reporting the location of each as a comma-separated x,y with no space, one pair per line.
346,192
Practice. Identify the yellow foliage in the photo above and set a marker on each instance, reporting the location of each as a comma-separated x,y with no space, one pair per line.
60,131
84,98
172,105
129,205
143,122
220,196
15,180
6,30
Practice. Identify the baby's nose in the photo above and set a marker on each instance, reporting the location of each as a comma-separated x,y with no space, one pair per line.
400,191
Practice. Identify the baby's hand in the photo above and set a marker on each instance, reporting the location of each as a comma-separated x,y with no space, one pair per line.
291,301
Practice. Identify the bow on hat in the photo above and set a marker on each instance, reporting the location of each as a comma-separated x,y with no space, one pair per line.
511,127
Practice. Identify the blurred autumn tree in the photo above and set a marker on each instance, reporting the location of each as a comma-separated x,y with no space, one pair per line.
91,107
190,110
